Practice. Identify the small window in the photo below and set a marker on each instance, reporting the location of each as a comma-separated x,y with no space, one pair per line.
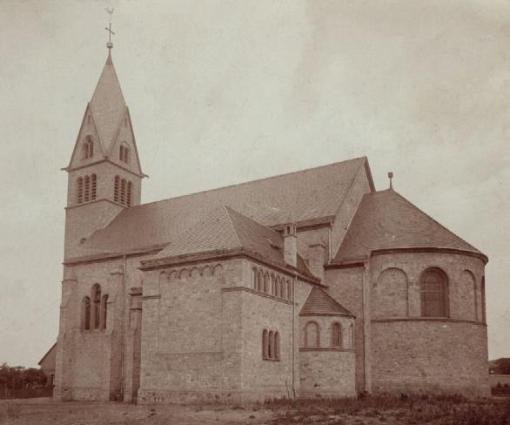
79,188
85,313
96,306
88,148
93,187
86,195
336,335
104,307
124,153
116,189
123,191
265,344
128,198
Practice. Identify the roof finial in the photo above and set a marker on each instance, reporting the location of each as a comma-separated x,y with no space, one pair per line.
109,45
390,176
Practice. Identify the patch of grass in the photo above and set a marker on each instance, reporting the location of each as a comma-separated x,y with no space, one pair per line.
439,410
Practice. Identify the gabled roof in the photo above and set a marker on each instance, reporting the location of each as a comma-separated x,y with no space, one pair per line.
53,347
224,230
319,303
108,105
386,220
306,195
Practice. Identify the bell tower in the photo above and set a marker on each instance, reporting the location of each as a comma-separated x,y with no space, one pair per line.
104,172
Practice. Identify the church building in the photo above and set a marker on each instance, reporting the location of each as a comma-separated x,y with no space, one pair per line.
307,284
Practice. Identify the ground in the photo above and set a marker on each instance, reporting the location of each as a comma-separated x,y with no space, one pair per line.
369,411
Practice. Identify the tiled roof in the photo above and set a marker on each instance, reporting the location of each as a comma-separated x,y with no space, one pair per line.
306,195
386,220
224,229
108,105
320,303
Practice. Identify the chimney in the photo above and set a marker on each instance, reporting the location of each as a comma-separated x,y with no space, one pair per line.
290,244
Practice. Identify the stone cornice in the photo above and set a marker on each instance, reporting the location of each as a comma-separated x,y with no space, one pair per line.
100,161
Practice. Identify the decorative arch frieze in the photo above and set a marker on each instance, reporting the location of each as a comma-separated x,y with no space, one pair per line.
184,273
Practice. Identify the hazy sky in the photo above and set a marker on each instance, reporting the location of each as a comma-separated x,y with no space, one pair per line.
227,91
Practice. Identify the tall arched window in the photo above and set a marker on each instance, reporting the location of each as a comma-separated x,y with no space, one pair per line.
277,345
270,351
123,191
85,315
312,335
86,194
266,283
116,189
336,335
254,278
80,189
88,148
96,306
93,187
434,293
104,308
129,189
265,344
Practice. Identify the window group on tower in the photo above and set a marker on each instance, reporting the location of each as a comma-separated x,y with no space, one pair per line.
122,191
87,188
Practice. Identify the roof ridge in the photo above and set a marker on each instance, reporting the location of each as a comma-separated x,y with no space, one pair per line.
253,181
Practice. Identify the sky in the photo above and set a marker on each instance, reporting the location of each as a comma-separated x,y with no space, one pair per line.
222,92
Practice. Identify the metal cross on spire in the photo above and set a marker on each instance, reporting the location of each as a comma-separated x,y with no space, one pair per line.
109,28
390,176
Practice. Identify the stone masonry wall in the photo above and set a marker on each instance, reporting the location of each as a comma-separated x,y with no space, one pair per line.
412,353
191,334
346,286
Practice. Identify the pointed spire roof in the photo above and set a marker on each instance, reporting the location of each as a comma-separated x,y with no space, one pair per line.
320,303
108,105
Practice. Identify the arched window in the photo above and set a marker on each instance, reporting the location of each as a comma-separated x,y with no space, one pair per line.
336,335
434,293
87,148
265,344
270,351
312,335
124,153
93,187
104,307
96,306
255,279
277,346
80,189
283,288
123,191
266,283
86,194
85,315
129,189
116,189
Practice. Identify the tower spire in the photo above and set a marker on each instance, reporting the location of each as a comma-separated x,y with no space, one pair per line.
109,44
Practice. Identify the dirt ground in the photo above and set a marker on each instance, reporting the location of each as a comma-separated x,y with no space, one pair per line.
372,411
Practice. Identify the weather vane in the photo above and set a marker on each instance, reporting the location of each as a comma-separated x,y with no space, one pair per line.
109,28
